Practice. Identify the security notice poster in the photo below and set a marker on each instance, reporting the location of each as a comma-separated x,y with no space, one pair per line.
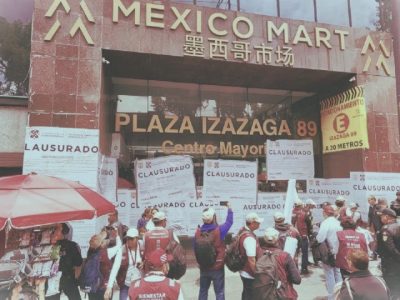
69,153
290,159
327,190
344,121
380,185
128,210
230,180
168,183
267,205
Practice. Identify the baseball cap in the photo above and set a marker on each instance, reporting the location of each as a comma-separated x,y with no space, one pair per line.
388,212
157,258
271,234
353,205
208,215
159,216
310,202
340,199
132,233
278,216
253,217
298,202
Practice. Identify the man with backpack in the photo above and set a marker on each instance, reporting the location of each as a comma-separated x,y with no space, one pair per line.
209,249
155,284
361,284
276,271
249,249
161,238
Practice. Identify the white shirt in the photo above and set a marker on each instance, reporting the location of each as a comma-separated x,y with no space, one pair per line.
111,252
327,232
159,276
368,237
250,246
118,260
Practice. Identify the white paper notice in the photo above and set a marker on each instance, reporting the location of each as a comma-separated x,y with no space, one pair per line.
169,183
230,180
69,153
380,185
107,177
327,190
290,159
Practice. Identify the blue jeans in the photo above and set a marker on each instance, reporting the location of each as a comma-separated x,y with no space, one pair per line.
123,293
218,280
332,277
304,253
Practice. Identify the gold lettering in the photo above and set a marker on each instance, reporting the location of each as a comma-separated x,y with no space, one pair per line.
244,149
121,120
204,125
199,21
302,36
212,130
284,128
243,124
225,148
272,29
324,39
151,15
342,34
155,123
173,119
135,127
236,150
211,26
166,145
134,7
186,125
256,127
228,127
249,25
180,19
270,124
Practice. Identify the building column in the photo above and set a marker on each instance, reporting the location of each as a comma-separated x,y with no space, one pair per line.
396,46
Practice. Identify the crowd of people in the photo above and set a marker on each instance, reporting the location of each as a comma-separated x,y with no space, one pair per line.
145,262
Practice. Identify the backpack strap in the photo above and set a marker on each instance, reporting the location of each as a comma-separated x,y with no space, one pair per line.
347,283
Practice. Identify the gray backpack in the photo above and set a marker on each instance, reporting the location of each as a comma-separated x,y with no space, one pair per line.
266,279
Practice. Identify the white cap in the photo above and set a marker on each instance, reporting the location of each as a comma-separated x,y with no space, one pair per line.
340,198
310,202
353,205
208,215
279,216
298,202
271,234
132,233
159,216
253,217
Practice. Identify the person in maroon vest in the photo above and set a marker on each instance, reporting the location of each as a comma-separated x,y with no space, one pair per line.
155,284
159,236
300,219
250,249
349,239
361,284
288,274
126,267
215,273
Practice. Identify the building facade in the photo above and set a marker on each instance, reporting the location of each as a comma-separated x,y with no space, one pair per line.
216,79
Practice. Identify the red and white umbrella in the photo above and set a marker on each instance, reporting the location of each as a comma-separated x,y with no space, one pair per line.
34,200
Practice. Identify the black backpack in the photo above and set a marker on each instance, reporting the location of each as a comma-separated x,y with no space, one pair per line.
266,281
204,249
234,260
177,267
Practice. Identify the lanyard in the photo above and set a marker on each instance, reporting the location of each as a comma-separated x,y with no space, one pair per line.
130,254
